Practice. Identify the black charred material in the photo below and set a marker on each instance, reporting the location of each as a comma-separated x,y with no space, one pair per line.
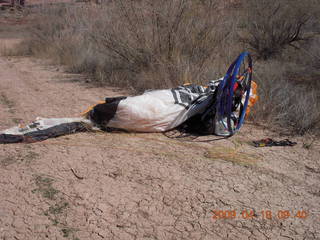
114,99
103,113
197,125
56,131
9,138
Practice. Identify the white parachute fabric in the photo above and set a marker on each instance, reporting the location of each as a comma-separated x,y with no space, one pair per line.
42,124
162,110
153,111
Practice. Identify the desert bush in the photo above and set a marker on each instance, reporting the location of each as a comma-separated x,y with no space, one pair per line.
156,44
271,26
283,37
285,103
137,44
59,33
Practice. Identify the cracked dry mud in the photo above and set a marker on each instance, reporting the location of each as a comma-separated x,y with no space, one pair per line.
142,186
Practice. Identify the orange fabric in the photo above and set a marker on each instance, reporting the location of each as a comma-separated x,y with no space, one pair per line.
84,113
253,96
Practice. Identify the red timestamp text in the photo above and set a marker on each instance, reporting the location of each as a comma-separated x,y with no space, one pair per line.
264,214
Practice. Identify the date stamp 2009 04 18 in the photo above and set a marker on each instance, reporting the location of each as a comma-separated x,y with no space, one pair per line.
264,214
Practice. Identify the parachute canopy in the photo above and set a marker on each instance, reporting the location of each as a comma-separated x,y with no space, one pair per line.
219,108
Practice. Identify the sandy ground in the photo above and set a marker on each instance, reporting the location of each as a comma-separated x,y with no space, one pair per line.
142,186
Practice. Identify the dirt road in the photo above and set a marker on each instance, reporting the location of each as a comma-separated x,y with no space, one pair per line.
143,186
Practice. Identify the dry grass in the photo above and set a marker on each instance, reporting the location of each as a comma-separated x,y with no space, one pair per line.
234,155
292,106
141,45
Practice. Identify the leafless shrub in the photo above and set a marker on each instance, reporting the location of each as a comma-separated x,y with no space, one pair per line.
141,44
159,43
285,103
272,26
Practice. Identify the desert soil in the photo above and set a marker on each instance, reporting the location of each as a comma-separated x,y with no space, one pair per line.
101,185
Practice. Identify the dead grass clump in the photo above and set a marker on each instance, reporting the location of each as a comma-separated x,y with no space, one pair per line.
285,103
234,155
45,188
